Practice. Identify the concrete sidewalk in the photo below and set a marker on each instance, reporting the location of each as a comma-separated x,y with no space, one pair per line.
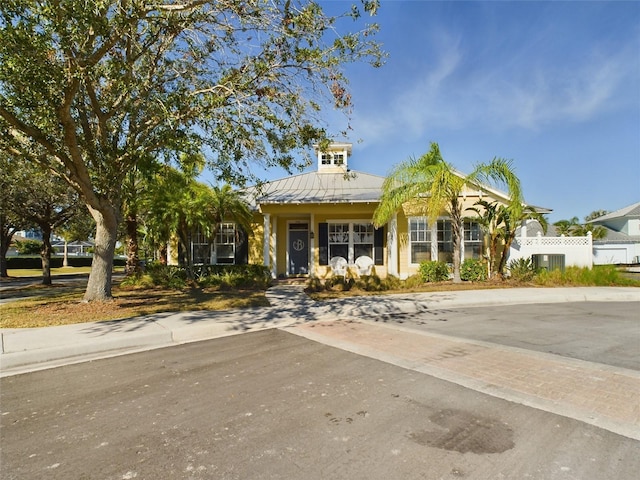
23,350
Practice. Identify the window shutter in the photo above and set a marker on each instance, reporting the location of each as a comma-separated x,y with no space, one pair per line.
323,243
378,246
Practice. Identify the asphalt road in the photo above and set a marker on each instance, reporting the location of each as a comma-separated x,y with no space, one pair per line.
601,332
271,405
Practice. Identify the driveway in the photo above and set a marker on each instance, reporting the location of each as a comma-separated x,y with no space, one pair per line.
272,405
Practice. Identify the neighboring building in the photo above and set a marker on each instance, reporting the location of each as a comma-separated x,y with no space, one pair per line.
621,246
320,224
75,248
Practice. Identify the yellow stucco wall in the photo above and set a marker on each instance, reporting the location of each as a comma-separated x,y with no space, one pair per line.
282,215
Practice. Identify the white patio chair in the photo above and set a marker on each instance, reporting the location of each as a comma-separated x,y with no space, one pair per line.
338,266
364,265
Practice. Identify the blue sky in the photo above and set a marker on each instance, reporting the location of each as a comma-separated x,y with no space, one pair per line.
553,86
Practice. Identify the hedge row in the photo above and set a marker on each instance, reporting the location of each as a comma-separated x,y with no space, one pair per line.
21,262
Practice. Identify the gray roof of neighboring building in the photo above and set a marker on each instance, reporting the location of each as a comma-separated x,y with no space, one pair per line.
617,237
632,211
533,228
317,187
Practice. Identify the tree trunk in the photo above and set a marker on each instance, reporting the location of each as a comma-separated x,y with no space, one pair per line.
456,237
133,259
163,254
455,233
99,284
45,253
5,240
505,255
493,254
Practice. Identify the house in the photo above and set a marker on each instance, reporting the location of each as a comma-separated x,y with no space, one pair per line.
622,243
320,224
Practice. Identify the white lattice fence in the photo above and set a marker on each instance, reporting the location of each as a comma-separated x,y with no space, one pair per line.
577,251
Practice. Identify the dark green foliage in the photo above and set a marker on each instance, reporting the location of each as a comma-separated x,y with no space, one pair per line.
522,269
227,277
473,270
370,283
35,262
365,283
28,247
434,271
221,277
339,283
599,275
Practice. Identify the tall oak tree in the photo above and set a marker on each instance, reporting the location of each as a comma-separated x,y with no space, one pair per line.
93,89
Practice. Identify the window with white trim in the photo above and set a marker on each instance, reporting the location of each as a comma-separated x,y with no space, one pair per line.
351,240
339,240
200,248
332,159
419,240
362,240
445,241
224,246
472,240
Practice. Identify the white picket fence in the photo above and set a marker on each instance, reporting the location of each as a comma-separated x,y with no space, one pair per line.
577,251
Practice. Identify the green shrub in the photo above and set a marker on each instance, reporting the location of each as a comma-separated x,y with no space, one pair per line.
28,247
139,280
434,271
599,275
338,283
313,285
413,281
227,277
473,270
522,269
370,283
391,282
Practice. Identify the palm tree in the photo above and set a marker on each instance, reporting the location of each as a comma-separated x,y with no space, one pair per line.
567,227
431,180
179,205
511,216
489,219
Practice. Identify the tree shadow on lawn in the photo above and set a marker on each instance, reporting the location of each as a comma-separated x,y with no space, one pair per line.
287,309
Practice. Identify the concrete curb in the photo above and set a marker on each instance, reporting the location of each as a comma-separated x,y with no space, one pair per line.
33,349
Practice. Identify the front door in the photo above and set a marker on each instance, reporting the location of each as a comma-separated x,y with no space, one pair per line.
298,249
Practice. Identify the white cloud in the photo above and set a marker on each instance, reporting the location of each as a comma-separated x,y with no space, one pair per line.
499,98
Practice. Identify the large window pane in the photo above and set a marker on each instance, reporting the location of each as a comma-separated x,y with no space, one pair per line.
339,240
472,240
362,240
225,243
419,240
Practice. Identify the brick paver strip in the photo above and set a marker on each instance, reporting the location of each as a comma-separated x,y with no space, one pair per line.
602,395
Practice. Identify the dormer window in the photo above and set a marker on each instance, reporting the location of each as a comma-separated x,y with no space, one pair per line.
334,160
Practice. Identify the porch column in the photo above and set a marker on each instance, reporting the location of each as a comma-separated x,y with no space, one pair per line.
462,243
274,245
266,238
312,245
392,246
434,240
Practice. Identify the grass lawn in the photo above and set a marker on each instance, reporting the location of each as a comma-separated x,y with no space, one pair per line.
34,272
62,304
